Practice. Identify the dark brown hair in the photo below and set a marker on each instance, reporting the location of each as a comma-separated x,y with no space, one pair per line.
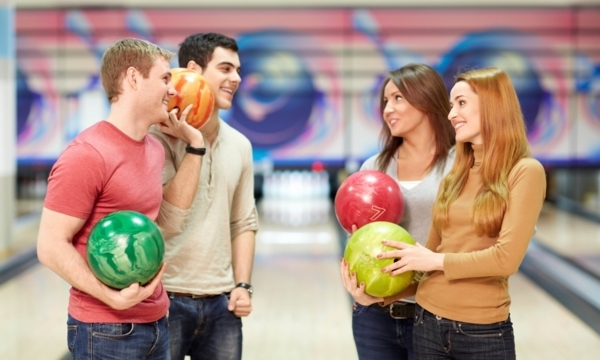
424,89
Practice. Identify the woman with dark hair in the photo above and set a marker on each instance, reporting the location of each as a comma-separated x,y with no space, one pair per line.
483,219
417,151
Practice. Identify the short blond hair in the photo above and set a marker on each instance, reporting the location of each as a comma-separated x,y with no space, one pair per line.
126,53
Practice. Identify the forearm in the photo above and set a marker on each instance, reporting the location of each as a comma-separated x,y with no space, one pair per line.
181,189
56,251
66,262
243,256
432,262
62,258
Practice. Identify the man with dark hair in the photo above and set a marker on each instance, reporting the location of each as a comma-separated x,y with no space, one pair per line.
111,166
200,47
210,258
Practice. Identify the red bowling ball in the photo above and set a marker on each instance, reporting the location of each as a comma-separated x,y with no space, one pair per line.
368,196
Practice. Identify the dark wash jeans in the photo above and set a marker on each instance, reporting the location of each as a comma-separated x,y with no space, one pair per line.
378,336
436,338
118,341
204,329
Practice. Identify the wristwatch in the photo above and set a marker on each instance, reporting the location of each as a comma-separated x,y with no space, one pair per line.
245,286
194,150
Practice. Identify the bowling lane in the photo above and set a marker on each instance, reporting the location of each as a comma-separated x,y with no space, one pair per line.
33,309
300,308
572,236
25,230
544,328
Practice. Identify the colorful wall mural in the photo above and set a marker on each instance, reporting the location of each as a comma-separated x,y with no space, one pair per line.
311,77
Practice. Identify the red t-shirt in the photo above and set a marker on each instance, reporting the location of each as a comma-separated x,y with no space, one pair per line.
103,171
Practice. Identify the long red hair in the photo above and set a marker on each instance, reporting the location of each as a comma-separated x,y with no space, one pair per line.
504,144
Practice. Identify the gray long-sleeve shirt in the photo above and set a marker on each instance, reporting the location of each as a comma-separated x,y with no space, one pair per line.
418,201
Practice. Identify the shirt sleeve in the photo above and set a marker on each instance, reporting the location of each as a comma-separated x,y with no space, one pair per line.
243,213
369,164
76,180
527,190
170,218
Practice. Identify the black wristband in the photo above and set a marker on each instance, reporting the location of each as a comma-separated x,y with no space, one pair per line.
246,286
196,151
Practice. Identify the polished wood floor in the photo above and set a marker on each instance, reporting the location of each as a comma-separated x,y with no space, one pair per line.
300,308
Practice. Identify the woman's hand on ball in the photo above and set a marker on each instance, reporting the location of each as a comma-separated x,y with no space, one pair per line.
410,258
357,291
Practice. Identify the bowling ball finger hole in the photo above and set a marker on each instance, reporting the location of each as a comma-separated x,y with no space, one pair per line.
396,260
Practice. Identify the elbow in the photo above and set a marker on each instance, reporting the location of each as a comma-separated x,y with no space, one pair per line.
171,219
513,270
508,268
42,255
507,262
169,228
169,231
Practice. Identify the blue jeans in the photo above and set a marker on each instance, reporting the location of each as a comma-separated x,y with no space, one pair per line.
439,338
378,336
204,329
105,341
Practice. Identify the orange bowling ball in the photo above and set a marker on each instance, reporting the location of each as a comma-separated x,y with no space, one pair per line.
193,89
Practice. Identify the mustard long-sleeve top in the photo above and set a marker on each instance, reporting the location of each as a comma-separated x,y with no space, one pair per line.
473,287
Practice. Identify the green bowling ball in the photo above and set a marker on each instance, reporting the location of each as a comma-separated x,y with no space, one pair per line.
361,254
125,247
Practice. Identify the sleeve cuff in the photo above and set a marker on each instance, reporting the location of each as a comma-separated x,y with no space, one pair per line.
250,224
171,219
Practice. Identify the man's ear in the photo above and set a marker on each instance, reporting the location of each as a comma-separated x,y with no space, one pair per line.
132,77
192,65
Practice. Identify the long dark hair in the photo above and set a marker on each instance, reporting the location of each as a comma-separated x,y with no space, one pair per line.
424,89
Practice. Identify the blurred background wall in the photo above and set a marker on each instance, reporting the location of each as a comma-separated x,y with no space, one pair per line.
311,73
7,135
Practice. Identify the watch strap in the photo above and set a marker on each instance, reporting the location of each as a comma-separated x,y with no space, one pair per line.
245,286
194,150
